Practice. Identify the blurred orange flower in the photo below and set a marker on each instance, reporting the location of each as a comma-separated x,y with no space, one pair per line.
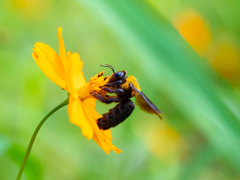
222,54
194,29
34,10
225,59
65,70
162,140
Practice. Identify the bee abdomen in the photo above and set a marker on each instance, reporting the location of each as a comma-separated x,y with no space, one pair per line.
116,115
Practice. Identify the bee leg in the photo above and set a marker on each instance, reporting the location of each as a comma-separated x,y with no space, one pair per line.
117,91
116,83
106,99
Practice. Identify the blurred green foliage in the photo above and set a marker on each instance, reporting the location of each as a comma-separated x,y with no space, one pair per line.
199,137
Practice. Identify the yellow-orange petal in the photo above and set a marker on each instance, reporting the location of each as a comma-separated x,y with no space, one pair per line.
96,139
90,101
106,146
108,134
92,120
49,62
69,77
74,78
62,52
102,138
78,117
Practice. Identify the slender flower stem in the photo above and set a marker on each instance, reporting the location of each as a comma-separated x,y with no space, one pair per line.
64,103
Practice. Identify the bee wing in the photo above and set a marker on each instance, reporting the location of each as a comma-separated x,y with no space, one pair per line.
144,103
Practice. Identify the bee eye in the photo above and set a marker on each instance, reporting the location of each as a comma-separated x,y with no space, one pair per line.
119,75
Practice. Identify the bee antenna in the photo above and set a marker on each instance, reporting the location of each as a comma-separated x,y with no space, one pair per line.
109,66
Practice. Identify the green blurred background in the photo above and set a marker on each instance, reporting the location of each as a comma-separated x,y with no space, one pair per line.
185,55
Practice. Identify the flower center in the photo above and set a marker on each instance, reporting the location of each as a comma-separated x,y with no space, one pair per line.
93,86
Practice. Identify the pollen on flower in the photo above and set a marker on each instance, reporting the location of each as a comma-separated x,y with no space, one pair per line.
97,81
93,85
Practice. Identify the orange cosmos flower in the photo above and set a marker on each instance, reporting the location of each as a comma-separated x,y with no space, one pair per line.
65,70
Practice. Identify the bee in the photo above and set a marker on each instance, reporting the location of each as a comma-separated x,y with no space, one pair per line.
124,88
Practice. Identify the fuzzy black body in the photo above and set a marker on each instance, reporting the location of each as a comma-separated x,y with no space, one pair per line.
120,112
116,115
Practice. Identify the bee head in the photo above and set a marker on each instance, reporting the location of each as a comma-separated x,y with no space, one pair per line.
116,76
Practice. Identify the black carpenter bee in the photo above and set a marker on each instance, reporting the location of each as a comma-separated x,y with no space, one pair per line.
124,87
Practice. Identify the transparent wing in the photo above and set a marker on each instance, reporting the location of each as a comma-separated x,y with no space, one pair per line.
144,103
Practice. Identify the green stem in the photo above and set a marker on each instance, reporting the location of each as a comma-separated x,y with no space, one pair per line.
64,103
